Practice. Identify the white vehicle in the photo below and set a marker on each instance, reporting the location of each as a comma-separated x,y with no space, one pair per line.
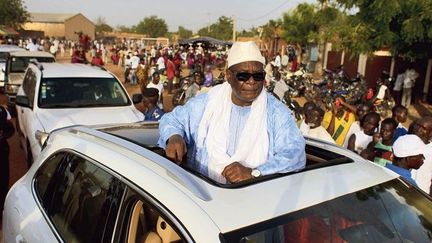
113,184
16,65
5,50
55,95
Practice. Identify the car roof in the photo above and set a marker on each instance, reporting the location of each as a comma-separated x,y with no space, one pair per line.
60,70
10,48
32,54
229,208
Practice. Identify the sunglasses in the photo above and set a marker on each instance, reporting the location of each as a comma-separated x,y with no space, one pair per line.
245,76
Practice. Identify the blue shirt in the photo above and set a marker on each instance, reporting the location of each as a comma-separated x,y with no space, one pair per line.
153,115
286,144
400,131
406,174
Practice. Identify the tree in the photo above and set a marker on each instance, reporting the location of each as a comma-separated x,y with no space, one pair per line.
404,26
123,28
222,29
102,26
152,26
184,33
13,13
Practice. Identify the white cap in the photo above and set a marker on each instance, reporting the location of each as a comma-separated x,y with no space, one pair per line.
244,52
408,145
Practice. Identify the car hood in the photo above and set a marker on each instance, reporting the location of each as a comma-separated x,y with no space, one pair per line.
56,118
16,78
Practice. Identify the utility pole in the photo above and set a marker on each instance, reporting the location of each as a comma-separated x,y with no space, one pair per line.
234,28
208,26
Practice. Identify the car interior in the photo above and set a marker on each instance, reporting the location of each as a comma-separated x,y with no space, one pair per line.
148,226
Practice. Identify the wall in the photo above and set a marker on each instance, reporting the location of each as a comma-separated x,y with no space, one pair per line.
49,29
79,23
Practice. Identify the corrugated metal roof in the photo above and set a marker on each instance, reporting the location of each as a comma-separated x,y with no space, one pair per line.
50,17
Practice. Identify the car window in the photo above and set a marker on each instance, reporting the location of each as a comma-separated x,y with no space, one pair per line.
3,56
19,64
391,212
81,92
147,224
29,84
79,198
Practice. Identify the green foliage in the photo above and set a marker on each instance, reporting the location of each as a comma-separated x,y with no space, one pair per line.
248,33
126,29
405,26
222,29
13,13
152,26
184,33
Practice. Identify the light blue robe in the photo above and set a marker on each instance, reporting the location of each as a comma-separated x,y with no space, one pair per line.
286,144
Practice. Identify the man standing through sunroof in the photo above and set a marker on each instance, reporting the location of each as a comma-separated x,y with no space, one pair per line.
236,131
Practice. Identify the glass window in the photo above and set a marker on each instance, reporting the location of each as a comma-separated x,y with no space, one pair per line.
3,56
19,64
391,212
81,92
80,199
29,84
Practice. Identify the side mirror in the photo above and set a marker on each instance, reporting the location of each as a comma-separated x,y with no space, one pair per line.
23,101
137,98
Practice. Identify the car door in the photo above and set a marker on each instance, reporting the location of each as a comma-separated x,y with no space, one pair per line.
143,219
78,198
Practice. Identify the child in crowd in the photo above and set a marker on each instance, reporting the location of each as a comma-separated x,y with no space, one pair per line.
359,141
314,128
361,110
408,154
155,83
400,114
151,110
380,149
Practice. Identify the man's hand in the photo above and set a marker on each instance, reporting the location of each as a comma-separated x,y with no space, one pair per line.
236,172
176,148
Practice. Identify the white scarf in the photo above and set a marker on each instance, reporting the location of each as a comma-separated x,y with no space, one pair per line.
213,132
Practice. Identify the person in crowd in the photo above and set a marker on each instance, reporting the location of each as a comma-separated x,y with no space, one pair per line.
208,76
236,131
380,149
361,110
33,46
152,112
160,63
359,140
157,84
408,153
142,74
194,87
307,107
313,128
383,92
408,84
6,131
134,63
277,61
397,87
97,60
400,114
170,72
127,68
339,119
423,176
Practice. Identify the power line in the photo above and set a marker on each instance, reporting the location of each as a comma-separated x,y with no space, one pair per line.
262,16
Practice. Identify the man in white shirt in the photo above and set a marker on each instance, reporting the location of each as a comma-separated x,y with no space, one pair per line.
33,46
312,126
135,60
160,64
410,76
155,83
277,61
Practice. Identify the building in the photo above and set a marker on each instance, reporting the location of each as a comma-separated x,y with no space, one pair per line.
61,25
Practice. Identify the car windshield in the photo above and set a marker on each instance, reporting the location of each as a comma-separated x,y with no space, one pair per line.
81,92
390,212
19,64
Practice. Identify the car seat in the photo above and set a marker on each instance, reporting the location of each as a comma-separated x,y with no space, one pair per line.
138,230
166,232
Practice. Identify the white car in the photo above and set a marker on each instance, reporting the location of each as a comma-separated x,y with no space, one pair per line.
113,184
5,50
55,95
16,65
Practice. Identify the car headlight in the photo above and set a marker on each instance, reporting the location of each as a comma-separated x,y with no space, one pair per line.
41,137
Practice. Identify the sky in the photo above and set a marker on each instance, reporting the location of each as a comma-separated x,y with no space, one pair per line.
191,14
